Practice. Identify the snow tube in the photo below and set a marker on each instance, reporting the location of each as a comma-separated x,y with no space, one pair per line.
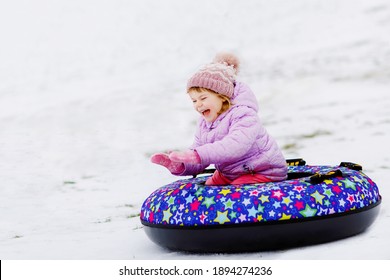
316,204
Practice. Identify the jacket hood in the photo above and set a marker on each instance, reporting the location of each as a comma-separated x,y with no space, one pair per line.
243,96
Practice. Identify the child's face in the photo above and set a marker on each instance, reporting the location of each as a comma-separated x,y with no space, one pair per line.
207,103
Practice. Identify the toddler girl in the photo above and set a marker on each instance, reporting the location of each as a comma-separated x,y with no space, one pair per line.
229,133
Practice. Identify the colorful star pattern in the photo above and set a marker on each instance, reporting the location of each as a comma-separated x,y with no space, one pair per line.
189,202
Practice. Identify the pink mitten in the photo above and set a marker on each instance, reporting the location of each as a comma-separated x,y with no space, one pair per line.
188,156
164,160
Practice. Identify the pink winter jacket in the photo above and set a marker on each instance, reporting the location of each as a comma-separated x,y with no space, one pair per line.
237,143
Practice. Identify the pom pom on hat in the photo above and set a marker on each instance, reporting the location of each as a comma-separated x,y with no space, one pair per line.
229,59
218,76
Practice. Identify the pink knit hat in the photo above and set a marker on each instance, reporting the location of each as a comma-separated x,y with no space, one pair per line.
218,76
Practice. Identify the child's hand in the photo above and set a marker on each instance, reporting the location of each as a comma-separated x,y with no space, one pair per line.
188,156
164,160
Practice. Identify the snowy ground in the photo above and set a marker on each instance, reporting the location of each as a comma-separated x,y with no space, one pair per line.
90,89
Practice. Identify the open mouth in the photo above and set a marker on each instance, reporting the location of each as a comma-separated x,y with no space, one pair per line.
205,113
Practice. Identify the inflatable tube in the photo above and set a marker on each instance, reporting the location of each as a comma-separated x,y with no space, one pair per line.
315,204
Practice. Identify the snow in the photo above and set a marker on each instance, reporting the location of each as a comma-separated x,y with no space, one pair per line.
90,89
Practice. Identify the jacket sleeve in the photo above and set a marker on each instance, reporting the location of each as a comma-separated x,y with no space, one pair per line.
243,132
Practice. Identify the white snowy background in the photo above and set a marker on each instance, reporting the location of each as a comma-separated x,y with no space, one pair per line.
89,89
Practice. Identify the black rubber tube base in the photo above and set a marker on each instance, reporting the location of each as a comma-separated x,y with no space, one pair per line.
263,236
